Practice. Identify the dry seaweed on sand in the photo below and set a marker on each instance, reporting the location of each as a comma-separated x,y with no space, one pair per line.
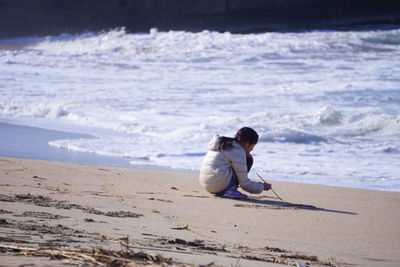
198,244
298,256
42,215
97,256
5,211
43,201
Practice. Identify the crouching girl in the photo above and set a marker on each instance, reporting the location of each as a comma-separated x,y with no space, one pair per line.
226,164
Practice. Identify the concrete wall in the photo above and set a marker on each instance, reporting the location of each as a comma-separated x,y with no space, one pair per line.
46,17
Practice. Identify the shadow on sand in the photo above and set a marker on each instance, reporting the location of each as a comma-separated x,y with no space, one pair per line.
274,204
262,203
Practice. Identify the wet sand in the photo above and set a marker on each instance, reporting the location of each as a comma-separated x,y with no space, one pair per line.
12,47
21,141
55,214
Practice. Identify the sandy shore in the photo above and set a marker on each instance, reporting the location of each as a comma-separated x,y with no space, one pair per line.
55,214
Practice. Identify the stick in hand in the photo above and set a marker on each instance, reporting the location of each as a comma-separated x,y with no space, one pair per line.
271,187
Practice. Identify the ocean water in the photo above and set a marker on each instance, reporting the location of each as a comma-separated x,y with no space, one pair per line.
325,103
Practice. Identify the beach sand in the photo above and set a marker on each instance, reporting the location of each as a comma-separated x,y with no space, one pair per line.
61,214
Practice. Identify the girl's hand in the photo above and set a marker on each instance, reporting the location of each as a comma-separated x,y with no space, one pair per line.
267,186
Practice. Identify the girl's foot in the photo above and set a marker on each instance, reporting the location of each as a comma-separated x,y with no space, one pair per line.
234,193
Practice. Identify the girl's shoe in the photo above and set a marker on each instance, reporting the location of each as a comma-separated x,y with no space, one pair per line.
233,193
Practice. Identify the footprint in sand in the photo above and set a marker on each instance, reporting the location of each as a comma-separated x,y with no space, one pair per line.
108,188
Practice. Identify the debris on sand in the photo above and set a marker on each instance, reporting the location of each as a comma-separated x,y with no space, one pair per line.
43,215
5,211
198,244
96,256
42,201
298,256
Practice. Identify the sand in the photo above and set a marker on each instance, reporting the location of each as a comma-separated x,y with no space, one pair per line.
60,214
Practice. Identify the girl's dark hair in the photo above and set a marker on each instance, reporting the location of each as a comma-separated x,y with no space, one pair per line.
245,134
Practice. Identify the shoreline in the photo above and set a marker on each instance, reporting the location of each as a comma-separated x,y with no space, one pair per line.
166,216
28,142
20,141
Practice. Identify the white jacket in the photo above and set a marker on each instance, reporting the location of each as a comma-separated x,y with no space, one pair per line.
218,166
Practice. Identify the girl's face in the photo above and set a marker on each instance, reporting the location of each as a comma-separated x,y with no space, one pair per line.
248,147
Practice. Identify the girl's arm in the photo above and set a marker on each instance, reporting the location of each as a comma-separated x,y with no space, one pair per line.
238,161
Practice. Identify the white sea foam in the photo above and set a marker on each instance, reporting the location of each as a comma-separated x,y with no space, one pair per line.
326,104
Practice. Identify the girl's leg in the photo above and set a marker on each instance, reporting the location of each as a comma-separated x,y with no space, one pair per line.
249,162
233,184
231,190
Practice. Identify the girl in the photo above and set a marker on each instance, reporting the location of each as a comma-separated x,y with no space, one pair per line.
227,163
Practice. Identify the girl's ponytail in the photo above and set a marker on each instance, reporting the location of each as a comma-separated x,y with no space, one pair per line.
225,143
245,134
